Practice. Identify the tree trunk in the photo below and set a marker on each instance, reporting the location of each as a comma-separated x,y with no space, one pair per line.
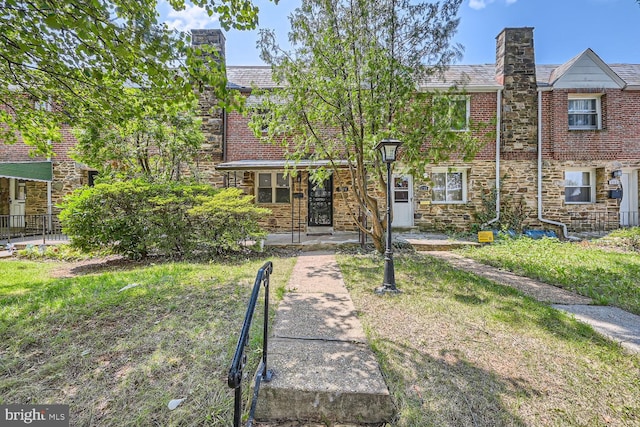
378,235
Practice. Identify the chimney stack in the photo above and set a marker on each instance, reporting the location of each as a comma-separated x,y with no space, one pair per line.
516,71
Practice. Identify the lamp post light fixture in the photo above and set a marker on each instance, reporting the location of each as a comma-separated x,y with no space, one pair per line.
389,149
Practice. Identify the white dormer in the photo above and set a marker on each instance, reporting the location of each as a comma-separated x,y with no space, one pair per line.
585,71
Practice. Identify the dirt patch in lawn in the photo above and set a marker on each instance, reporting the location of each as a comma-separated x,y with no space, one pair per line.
95,265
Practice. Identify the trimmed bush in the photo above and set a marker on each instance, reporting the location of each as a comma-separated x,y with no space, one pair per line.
137,219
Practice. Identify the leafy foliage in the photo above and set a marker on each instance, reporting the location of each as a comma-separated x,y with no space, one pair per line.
137,219
350,80
513,212
76,57
157,146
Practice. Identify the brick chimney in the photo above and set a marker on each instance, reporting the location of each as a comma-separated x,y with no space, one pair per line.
516,71
213,117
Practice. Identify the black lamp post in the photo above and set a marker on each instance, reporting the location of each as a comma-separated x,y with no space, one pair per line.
389,150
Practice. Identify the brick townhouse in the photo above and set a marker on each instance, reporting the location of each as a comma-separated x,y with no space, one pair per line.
565,157
566,152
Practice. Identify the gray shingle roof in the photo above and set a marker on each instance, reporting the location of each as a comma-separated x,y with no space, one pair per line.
473,76
249,77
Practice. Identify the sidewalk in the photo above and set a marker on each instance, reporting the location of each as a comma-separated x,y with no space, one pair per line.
323,367
612,322
33,241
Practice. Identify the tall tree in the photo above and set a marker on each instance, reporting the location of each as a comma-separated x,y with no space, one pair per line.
159,145
353,76
64,61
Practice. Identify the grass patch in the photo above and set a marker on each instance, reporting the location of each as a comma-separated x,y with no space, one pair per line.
609,277
460,350
118,357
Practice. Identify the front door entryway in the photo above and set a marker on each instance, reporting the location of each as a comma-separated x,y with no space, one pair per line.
629,202
321,203
402,196
17,202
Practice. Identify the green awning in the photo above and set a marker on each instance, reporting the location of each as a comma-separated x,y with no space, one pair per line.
31,171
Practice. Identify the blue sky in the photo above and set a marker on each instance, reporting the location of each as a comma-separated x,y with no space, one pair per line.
563,28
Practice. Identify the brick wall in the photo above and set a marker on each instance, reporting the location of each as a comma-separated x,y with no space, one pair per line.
20,152
242,144
619,137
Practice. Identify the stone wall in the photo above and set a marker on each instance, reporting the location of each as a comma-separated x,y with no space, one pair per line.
4,196
67,176
286,215
36,202
516,70
518,193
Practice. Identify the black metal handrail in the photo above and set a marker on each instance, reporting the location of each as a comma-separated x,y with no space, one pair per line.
33,225
601,221
240,357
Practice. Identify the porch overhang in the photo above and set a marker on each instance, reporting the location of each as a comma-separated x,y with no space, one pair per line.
247,165
30,171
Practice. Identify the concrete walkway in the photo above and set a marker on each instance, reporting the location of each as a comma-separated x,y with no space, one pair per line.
323,368
612,322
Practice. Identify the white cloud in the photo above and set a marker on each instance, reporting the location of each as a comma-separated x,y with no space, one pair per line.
192,17
481,4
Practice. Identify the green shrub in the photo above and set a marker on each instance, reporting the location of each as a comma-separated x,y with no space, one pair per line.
137,219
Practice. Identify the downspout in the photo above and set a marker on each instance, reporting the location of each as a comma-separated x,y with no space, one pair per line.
49,189
540,218
498,128
224,134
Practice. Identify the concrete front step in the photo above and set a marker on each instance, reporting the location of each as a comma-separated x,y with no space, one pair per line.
324,371
323,381
319,231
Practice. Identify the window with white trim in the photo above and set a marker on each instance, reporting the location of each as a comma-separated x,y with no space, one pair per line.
273,187
455,110
584,112
449,186
579,186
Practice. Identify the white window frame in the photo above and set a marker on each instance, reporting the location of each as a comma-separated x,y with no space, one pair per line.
467,107
274,187
592,185
446,171
598,111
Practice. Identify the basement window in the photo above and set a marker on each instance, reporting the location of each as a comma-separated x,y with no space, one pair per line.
449,186
579,186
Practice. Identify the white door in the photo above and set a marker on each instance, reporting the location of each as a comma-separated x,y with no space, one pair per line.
18,197
629,202
402,196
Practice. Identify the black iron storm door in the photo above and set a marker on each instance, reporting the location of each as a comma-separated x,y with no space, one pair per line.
321,203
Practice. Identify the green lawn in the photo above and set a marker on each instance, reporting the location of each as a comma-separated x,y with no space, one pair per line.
455,349
118,357
459,350
609,276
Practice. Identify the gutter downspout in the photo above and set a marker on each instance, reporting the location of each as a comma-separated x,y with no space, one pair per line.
498,128
540,218
49,188
224,134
